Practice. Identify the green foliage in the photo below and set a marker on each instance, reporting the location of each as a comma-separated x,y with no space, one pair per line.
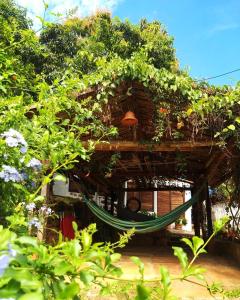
82,42
54,272
12,12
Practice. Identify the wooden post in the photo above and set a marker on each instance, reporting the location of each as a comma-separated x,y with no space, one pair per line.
209,212
43,234
106,203
201,214
196,216
113,197
155,200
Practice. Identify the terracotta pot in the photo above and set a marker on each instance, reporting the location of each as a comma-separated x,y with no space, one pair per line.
178,226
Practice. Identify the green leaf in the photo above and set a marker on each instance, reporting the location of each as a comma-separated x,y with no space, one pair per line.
187,242
62,268
86,277
10,290
182,257
219,224
197,243
39,198
137,261
28,240
105,290
31,296
195,271
69,291
231,127
75,226
116,271
143,292
115,257
60,177
166,282
165,276
237,120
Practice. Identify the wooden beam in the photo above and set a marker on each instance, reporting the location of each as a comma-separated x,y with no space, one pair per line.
215,163
96,184
160,172
213,167
163,147
152,189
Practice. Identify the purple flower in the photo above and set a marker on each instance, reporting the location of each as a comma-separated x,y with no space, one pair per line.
11,251
6,258
4,262
9,173
34,163
23,149
30,206
47,210
25,177
14,138
34,222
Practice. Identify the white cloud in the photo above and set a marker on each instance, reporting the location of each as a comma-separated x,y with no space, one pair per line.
85,7
223,27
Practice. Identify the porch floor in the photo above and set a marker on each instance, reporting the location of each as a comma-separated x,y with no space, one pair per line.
219,269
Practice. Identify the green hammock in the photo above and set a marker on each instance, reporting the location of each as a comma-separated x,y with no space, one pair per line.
146,226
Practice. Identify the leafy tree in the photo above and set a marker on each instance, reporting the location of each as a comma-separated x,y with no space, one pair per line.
10,11
81,42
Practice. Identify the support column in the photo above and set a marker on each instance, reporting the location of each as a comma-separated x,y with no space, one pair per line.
125,193
209,212
196,216
155,199
113,197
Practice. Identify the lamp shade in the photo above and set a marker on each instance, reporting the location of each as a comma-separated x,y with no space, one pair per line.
129,119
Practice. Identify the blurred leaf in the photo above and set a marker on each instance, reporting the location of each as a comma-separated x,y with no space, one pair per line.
197,243
60,177
143,293
182,257
28,240
86,277
31,296
115,257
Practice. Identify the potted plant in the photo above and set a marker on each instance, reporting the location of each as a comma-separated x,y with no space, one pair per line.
180,222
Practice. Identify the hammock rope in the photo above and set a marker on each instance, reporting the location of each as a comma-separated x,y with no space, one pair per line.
145,226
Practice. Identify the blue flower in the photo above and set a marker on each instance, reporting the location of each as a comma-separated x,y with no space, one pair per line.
9,173
30,206
6,258
34,222
23,149
4,262
14,138
34,163
46,210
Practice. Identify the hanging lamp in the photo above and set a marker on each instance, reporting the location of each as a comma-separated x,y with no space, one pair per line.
129,119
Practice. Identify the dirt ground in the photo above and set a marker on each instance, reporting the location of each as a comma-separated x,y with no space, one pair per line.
219,269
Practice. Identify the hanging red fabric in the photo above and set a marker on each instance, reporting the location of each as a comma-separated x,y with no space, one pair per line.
67,227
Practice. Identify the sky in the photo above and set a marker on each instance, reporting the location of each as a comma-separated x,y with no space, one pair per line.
206,32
